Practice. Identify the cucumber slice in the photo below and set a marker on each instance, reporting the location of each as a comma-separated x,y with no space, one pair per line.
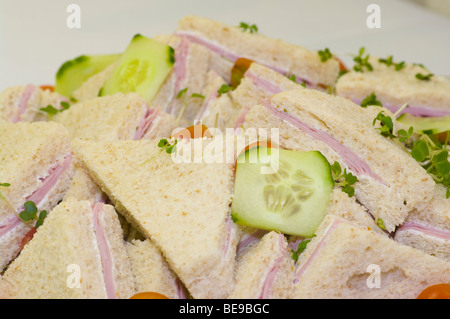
293,200
142,68
426,125
73,73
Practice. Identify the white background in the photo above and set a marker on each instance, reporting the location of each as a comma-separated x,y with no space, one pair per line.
35,41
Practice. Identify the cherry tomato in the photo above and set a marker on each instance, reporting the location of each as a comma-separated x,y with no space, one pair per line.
149,295
439,291
194,131
342,66
50,88
442,137
27,238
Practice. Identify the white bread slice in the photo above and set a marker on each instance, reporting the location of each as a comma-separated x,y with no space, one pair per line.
275,53
342,260
395,88
63,260
150,270
22,103
383,187
183,208
105,118
428,229
265,271
90,88
83,188
29,153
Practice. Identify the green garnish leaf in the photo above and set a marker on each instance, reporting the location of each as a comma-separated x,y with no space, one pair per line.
362,62
292,77
325,55
181,93
420,151
197,95
371,99
300,248
380,223
343,179
41,218
390,62
386,125
64,106
5,184
341,73
50,110
164,144
424,77
247,27
29,212
224,89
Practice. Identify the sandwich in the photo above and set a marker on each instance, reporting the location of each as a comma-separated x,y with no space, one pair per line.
180,94
24,103
265,270
218,109
232,43
258,83
115,117
151,272
427,95
36,166
183,207
78,253
83,188
428,229
312,120
346,261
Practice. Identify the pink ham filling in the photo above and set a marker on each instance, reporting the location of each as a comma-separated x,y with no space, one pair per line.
150,115
413,110
317,249
353,162
22,106
250,239
180,69
271,275
180,290
38,196
230,232
105,253
426,230
210,98
229,55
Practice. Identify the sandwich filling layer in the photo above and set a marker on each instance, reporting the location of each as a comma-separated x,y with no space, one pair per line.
146,123
273,270
230,55
180,69
352,160
105,252
323,241
23,101
39,195
439,234
413,110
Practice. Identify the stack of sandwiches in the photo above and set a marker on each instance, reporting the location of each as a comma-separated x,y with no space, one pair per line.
135,206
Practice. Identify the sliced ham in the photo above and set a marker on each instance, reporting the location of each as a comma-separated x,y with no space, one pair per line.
426,230
180,69
23,101
230,55
48,182
300,271
271,275
413,110
144,126
352,160
105,252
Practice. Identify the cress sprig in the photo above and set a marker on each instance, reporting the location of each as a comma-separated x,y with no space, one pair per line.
362,62
252,28
344,179
52,111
